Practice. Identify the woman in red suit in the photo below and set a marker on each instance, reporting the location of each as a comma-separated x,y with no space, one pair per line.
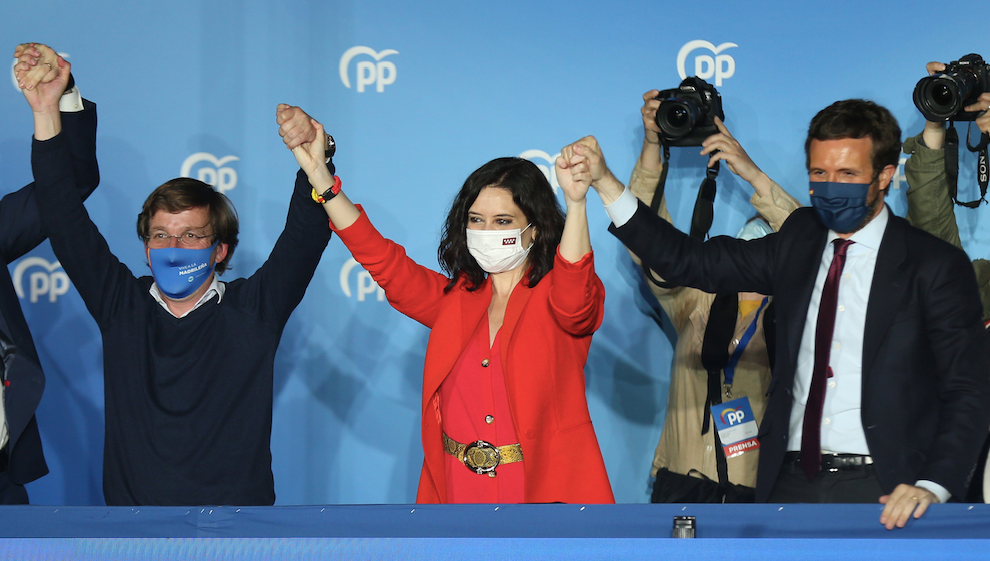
505,418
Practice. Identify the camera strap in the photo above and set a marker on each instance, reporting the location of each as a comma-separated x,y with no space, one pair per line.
952,164
704,208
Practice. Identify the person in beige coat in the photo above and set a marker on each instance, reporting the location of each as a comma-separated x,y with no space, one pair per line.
684,448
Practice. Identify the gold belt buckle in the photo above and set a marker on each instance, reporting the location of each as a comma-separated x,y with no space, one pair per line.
481,457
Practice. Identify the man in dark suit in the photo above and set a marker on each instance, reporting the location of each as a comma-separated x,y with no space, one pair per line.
43,82
892,405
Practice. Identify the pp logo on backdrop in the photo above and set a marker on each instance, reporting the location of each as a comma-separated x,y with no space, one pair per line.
899,176
48,279
365,284
705,66
216,174
13,77
546,163
379,72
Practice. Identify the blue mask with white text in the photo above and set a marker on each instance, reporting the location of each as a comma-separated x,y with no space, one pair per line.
179,271
841,207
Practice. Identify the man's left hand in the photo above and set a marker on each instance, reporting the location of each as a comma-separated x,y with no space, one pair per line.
294,126
905,500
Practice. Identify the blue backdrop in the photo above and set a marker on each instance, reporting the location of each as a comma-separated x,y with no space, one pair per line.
417,96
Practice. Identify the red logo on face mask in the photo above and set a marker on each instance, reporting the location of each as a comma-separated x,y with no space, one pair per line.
508,241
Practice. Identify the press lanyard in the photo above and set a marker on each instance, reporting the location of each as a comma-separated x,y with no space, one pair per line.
730,367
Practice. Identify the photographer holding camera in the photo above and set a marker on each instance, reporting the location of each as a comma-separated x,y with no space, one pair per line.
930,204
689,463
881,372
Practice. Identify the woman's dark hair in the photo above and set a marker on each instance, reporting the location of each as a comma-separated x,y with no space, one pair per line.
531,192
183,193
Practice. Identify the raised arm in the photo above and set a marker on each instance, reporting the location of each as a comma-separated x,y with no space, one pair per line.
280,284
929,205
311,157
410,288
769,199
574,176
53,110
42,76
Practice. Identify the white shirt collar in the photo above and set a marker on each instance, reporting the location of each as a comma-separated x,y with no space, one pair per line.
216,287
871,235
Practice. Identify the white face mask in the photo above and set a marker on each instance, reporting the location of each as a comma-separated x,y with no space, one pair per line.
497,251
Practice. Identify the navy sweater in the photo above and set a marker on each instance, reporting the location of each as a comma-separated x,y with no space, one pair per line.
188,401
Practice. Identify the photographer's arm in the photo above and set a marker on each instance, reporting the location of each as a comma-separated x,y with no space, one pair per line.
929,205
723,146
649,156
769,198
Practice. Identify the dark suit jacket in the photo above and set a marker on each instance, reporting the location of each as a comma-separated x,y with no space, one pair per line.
926,365
20,232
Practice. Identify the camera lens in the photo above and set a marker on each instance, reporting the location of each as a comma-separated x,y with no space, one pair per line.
942,96
677,116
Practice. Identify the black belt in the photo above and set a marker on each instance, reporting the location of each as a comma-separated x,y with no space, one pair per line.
830,462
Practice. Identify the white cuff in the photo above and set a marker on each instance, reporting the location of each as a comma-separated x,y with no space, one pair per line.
623,208
939,491
71,101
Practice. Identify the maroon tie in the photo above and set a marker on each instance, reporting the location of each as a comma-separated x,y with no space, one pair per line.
811,436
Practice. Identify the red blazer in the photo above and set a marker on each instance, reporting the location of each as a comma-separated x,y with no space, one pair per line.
545,338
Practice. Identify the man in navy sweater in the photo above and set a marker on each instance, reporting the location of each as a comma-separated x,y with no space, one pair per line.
188,360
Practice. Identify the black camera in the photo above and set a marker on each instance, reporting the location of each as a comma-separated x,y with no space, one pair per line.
687,115
942,96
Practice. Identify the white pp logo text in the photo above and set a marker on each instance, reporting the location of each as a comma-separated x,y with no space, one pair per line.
548,168
378,72
899,174
365,284
733,416
705,66
48,281
223,178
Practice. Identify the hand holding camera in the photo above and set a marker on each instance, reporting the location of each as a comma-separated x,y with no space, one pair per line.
957,91
952,92
686,115
723,146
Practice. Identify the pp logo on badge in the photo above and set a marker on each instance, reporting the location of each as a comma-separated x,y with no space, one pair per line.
379,72
48,280
705,66
217,174
365,284
13,76
733,416
546,163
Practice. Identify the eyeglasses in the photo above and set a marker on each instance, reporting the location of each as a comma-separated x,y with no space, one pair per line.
159,240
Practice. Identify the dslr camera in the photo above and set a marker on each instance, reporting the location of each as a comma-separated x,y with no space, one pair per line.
686,116
942,96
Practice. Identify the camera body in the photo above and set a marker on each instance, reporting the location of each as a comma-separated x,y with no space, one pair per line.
943,96
686,116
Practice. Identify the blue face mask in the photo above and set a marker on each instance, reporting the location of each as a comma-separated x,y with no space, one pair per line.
179,271
841,207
